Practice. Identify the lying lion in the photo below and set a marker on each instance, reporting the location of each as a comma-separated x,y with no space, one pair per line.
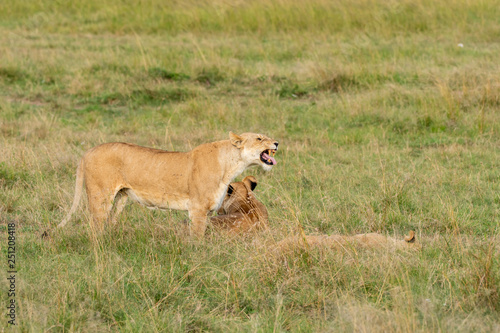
196,181
240,211
338,242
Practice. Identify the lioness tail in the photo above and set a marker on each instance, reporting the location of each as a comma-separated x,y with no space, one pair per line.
78,194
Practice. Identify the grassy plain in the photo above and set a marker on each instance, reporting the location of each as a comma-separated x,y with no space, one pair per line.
385,124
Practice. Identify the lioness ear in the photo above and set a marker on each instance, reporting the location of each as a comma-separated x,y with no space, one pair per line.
236,140
230,190
250,182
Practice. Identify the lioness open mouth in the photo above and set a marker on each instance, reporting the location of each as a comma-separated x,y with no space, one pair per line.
266,157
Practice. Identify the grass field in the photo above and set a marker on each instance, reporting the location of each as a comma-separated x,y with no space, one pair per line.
388,117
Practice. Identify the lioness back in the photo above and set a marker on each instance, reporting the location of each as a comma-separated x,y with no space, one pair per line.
146,174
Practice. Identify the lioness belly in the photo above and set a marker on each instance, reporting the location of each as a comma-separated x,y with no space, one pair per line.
158,201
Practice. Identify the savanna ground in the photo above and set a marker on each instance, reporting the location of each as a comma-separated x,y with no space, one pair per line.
386,124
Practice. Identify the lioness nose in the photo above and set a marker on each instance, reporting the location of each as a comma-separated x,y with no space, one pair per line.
276,143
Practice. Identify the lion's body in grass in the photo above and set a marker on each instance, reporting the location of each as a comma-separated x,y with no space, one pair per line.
341,242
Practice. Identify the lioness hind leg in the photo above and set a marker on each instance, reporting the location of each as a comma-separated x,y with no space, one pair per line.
120,201
100,207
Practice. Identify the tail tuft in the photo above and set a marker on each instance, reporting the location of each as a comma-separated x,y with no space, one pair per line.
411,237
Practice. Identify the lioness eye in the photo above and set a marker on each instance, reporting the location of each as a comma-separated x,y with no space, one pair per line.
260,139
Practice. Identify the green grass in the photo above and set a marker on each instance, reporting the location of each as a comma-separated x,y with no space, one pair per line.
385,125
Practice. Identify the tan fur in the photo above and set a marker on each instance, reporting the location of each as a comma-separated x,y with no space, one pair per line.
195,181
338,242
241,212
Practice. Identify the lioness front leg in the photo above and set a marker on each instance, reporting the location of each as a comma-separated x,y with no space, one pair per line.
198,222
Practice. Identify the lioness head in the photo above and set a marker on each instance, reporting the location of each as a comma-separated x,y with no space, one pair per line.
239,196
256,149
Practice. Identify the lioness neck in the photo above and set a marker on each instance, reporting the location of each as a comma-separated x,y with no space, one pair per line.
231,161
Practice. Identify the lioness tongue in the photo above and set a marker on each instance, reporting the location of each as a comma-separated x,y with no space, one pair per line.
269,158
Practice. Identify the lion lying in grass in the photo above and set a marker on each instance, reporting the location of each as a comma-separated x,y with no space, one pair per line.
338,242
196,181
241,212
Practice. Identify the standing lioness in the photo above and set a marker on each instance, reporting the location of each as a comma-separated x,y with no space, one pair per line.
195,181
